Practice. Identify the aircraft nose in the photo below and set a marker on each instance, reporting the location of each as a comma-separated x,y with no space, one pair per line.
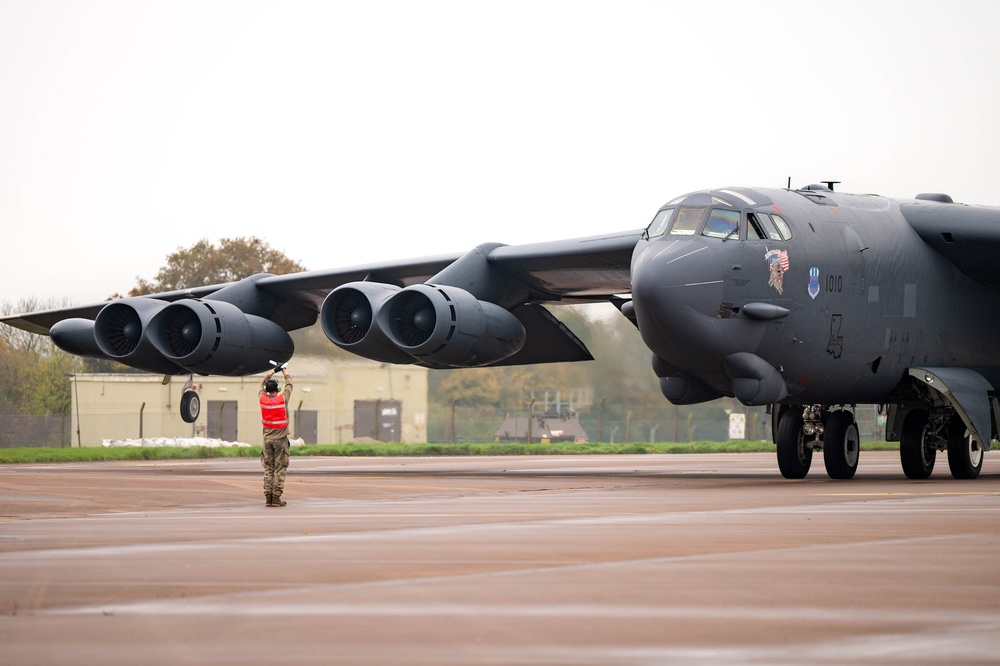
677,291
683,274
701,350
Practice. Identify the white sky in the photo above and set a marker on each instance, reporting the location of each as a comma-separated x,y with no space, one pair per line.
343,132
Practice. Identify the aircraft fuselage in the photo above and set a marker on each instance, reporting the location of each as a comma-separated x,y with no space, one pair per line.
840,309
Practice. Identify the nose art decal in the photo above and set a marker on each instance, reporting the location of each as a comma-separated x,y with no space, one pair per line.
777,260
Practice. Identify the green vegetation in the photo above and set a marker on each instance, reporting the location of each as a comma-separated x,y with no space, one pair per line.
206,263
100,453
34,372
97,454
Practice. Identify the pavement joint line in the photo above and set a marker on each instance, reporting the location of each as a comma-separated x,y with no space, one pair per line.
416,532
335,588
678,515
617,611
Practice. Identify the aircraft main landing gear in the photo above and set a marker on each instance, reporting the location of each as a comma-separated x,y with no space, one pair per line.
917,447
794,453
925,433
841,445
965,455
804,429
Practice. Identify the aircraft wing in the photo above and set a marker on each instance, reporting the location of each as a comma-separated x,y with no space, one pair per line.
233,328
309,285
579,269
968,236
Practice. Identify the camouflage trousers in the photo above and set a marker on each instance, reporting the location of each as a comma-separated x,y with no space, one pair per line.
274,458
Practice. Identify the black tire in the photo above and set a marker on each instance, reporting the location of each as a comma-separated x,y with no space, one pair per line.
841,445
965,455
190,406
915,452
794,457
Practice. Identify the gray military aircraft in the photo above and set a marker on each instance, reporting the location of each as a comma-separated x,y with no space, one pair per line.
808,301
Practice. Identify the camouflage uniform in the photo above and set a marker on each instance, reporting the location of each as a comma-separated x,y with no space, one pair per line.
274,453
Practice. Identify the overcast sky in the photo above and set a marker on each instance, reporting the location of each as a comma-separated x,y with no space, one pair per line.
343,132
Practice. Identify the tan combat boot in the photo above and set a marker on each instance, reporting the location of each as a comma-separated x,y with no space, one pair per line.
277,501
270,499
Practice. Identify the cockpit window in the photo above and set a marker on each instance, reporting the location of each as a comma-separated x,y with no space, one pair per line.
659,223
773,226
687,220
783,228
755,229
722,224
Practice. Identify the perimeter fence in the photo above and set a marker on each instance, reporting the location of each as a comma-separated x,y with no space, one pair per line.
624,423
616,423
33,430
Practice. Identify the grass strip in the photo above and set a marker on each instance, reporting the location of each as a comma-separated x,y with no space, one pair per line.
32,455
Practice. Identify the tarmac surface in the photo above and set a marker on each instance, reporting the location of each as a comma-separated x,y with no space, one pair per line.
688,559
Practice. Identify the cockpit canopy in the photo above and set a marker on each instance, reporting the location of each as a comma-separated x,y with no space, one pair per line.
714,216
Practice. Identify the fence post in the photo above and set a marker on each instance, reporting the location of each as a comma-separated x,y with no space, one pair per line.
601,435
76,390
531,412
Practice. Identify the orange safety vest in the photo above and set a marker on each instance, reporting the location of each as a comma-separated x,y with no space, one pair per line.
272,411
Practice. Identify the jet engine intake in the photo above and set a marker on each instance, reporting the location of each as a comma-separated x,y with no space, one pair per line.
217,338
444,326
121,329
348,317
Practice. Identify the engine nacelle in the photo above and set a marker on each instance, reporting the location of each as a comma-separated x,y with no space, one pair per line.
76,336
217,338
448,327
82,337
120,332
348,315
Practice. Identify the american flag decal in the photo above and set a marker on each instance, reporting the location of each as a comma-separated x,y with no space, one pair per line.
777,261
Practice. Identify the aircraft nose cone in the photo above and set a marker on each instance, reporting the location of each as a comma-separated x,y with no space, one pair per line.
677,291
684,274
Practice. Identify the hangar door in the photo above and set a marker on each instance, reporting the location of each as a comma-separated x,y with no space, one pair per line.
381,420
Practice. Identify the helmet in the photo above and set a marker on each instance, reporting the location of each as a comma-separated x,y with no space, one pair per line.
271,386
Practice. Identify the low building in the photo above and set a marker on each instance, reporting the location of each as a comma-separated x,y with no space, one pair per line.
550,427
332,403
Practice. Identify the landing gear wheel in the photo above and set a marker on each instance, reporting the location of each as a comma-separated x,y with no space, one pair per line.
190,406
965,455
841,445
915,450
794,457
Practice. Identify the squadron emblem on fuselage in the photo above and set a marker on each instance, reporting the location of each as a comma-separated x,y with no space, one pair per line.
813,282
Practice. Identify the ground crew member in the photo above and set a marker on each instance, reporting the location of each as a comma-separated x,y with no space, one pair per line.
274,454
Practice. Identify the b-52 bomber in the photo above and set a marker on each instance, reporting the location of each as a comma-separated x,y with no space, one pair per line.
808,301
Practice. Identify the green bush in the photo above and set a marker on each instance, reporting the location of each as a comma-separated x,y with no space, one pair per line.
98,453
